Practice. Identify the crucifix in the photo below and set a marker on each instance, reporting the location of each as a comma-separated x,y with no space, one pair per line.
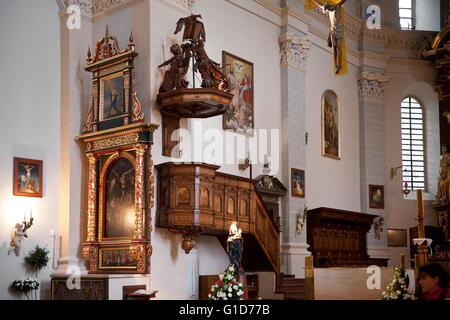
335,12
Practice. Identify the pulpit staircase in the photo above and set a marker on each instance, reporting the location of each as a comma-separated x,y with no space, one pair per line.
196,199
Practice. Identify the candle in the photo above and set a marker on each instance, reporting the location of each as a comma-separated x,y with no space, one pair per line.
420,228
31,215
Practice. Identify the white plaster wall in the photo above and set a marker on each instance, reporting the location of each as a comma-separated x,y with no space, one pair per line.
255,40
401,212
29,126
332,183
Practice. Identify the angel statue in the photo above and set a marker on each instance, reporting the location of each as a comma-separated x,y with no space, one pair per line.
19,233
379,228
235,246
301,218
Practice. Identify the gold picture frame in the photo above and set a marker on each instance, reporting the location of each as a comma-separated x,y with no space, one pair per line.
331,125
240,115
298,183
376,196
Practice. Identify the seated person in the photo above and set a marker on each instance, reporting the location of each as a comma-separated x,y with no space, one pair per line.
433,283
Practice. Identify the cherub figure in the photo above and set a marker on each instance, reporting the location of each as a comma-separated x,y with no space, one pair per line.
379,228
19,232
301,218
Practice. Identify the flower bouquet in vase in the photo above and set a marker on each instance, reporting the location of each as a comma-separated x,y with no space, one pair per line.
398,288
228,286
25,286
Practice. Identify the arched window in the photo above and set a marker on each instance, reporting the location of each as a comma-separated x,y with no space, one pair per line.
413,158
406,14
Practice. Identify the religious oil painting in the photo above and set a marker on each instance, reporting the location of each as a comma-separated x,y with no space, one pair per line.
239,116
111,97
116,257
298,183
331,125
27,177
119,200
376,196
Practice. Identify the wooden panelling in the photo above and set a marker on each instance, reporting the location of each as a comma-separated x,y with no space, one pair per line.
338,238
201,197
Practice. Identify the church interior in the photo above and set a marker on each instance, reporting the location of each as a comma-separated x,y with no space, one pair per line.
299,146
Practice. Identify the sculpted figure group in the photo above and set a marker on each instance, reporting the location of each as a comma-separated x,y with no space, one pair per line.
210,71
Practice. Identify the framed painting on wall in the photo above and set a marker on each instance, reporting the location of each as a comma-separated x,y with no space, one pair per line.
119,198
397,238
111,96
331,125
27,177
376,196
239,116
298,183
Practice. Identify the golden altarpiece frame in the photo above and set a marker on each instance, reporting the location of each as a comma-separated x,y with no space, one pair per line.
118,146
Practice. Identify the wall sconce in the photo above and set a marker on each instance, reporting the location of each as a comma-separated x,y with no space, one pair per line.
20,232
394,172
244,163
405,190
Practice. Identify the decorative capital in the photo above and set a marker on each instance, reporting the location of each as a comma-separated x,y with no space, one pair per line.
294,51
91,158
186,3
371,88
84,5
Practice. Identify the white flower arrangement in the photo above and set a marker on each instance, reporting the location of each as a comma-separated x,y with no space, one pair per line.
227,287
398,288
25,285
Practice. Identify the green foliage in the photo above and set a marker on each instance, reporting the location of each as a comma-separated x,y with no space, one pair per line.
398,288
37,259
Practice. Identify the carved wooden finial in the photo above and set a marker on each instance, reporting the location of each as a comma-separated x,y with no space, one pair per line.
89,52
131,37
107,31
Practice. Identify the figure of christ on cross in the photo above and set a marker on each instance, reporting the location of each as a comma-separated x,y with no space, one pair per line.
336,30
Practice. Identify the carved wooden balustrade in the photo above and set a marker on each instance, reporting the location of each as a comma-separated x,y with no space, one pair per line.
195,198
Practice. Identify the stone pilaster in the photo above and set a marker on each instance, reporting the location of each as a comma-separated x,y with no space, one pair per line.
293,64
372,146
75,96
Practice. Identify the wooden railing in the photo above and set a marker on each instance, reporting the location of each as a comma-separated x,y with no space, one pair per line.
196,198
